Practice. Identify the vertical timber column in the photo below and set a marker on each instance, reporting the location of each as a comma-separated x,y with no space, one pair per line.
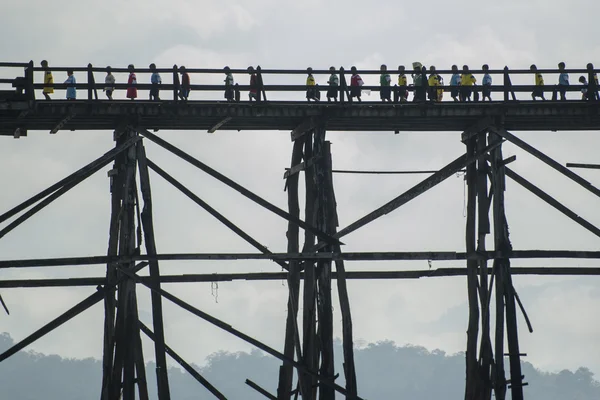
347,336
505,297
286,371
472,368
122,343
157,312
324,302
483,229
309,319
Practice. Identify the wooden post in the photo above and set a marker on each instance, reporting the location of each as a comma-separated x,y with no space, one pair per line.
175,83
472,369
309,319
324,302
347,336
157,314
483,229
287,371
505,297
29,91
122,351
342,85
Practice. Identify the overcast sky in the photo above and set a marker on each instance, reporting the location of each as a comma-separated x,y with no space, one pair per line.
286,34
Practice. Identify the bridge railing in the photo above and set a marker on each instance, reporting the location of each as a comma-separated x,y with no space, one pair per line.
273,84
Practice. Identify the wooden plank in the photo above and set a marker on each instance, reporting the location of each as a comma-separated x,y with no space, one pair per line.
189,368
552,201
239,188
299,167
63,122
588,166
305,126
219,124
279,276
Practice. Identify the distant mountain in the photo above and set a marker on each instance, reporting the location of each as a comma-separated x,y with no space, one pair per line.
385,371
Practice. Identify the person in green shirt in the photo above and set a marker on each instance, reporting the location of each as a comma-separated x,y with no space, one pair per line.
385,81
334,83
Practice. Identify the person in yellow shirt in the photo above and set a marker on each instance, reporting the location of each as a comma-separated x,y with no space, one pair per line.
539,84
435,80
48,80
311,88
467,80
402,84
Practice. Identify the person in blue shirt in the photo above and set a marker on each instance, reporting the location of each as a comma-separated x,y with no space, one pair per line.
486,83
70,82
455,83
563,81
155,81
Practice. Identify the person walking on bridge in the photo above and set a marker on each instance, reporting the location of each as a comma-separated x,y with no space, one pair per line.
155,81
109,83
184,92
71,82
253,93
455,83
539,83
402,84
355,85
563,81
334,83
229,92
486,83
592,83
385,93
433,82
311,86
467,80
48,80
132,82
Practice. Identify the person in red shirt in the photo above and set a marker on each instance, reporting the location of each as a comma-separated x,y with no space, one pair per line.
253,94
355,83
184,91
132,82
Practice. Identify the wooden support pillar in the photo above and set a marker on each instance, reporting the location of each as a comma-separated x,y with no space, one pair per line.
505,296
122,343
309,318
157,313
472,370
324,301
286,372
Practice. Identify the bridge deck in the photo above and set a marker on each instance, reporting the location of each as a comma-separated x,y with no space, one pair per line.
274,115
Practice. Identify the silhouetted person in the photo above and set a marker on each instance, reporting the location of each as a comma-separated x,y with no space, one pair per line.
455,83
385,81
229,85
486,83
592,83
563,81
109,83
311,88
184,91
433,82
253,93
334,83
155,81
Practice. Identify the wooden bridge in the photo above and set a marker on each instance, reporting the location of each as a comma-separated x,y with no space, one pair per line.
485,126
